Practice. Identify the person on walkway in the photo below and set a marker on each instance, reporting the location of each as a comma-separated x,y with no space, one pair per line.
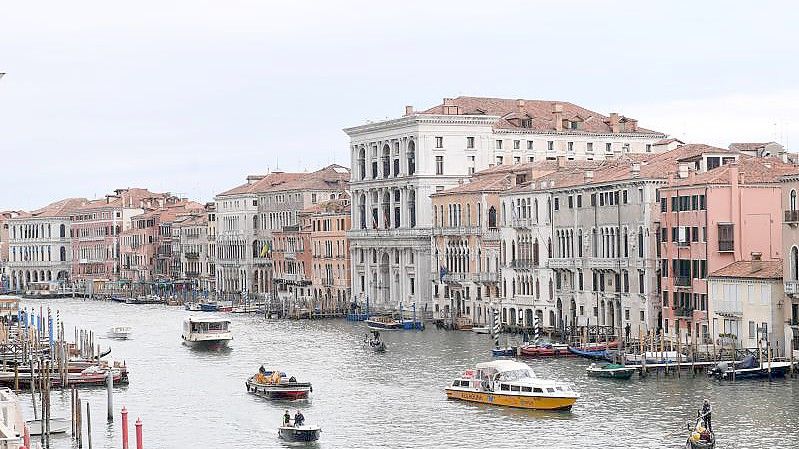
286,419
627,332
707,410
299,419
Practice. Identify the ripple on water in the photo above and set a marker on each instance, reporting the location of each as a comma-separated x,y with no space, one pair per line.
188,397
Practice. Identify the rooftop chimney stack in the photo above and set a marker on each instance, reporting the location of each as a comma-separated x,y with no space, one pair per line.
557,116
520,105
408,110
757,262
449,107
614,122
633,124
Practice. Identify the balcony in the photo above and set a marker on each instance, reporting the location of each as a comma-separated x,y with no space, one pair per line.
192,255
391,233
792,216
487,277
192,274
328,282
726,245
607,264
457,230
491,235
521,222
682,281
685,312
683,244
454,277
522,263
290,254
791,287
562,262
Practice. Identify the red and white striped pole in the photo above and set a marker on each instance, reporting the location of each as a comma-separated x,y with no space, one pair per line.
139,444
124,427
26,437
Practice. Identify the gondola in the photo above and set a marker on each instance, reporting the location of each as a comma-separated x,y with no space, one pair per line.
700,437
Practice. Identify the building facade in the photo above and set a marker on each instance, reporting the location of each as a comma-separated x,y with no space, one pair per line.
398,164
39,244
329,222
790,243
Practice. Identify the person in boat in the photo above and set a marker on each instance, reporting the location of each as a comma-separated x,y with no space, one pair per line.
286,419
299,419
707,410
262,370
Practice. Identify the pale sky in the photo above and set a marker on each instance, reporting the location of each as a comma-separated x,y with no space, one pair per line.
191,96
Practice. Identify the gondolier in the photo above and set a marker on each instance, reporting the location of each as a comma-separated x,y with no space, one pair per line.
707,410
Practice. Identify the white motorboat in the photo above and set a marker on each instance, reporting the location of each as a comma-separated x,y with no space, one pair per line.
57,425
206,332
120,332
481,330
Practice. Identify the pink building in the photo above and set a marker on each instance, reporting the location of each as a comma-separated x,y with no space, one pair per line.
721,208
96,229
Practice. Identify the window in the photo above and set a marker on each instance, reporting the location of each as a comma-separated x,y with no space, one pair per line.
571,202
557,203
579,201
529,144
675,204
701,202
439,165
515,144
470,142
649,148
609,147
589,147
663,203
726,237
752,330
439,142
517,159
593,199
550,145
499,160
641,281
624,196
499,144
570,146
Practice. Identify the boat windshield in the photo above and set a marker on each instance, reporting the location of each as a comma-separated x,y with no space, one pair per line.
517,374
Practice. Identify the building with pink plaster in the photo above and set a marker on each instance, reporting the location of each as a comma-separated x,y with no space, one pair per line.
721,208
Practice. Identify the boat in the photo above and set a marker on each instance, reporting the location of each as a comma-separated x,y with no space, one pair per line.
389,323
57,425
512,384
209,307
481,329
375,343
507,351
207,332
299,433
593,350
610,371
120,332
653,357
750,368
276,385
546,350
193,307
117,298
144,299
700,437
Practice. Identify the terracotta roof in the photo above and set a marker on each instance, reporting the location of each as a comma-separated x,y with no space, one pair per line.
130,197
332,177
336,206
60,208
748,146
668,141
511,112
751,170
769,269
171,212
497,182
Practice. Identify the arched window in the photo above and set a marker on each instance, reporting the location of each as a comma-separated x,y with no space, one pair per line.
63,253
63,231
794,263
535,252
492,218
411,158
362,163
793,200
386,161
579,243
640,242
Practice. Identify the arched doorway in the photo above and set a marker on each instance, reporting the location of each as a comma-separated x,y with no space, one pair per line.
528,317
385,279
512,319
559,307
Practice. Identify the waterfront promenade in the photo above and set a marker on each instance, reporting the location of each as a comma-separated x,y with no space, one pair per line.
361,399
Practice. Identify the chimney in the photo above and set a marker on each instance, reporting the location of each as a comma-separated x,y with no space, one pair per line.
734,175
757,262
633,124
520,105
557,116
408,110
589,176
682,170
449,107
614,122
635,170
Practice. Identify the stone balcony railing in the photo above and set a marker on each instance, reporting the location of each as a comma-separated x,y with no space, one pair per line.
791,216
391,233
457,230
791,287
607,263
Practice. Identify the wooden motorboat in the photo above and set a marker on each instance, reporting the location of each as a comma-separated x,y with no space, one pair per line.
750,368
120,332
610,371
57,425
299,433
546,350
589,352
276,385
512,384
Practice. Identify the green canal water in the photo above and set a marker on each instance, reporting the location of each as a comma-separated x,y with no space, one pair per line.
192,398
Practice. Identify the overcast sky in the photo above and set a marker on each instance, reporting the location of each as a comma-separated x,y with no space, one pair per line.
191,96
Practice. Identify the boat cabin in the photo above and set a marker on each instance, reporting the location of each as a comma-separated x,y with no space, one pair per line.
206,326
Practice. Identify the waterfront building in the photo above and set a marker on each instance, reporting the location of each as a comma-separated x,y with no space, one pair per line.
329,222
210,213
96,228
790,244
722,207
399,163
5,281
746,303
191,237
291,261
247,216
39,244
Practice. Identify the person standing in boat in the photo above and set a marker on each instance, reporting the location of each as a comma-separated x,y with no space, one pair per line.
707,410
286,419
299,419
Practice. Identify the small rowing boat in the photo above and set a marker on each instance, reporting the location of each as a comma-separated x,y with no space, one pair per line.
610,371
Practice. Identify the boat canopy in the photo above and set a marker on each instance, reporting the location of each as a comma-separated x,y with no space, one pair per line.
502,366
192,319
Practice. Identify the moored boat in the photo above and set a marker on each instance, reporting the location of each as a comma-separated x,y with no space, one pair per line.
507,351
610,371
209,307
750,368
207,332
276,385
57,425
546,350
481,329
193,307
512,384
120,332
299,433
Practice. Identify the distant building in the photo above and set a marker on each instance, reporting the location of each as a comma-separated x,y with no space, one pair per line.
328,223
39,244
192,238
790,249
5,281
747,301
399,163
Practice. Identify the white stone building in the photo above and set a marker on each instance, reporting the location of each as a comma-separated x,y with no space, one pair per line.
399,163
40,248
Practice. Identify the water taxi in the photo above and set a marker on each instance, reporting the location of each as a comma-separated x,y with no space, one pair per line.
120,332
512,384
206,332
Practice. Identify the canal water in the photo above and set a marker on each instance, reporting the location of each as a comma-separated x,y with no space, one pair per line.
192,398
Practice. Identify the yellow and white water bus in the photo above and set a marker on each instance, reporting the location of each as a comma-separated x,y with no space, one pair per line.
511,384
